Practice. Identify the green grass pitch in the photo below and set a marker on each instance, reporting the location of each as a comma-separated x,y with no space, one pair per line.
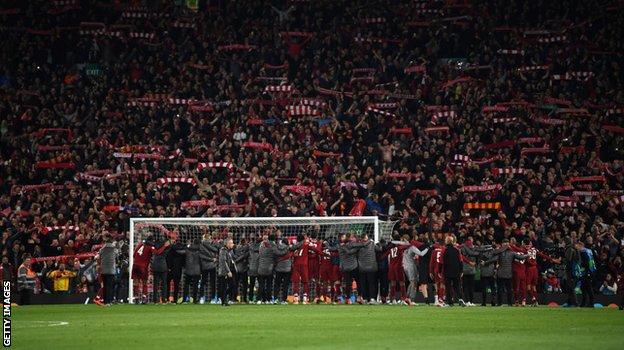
257,327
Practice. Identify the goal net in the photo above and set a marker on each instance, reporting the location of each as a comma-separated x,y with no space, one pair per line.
242,230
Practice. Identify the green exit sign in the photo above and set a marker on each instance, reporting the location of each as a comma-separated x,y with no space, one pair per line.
93,69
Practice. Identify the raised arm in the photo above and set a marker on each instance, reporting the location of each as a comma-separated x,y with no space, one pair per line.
164,248
357,245
295,246
465,260
418,251
548,257
333,248
469,251
209,247
243,256
499,250
493,259
353,247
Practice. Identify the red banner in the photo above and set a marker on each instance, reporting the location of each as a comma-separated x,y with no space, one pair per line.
63,257
358,208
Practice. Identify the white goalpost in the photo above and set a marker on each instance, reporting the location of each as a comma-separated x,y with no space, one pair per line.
244,229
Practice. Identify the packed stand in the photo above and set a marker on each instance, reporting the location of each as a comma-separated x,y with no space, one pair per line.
490,120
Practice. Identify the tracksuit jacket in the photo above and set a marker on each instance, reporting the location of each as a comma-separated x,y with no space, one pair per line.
191,260
366,257
348,257
159,261
268,252
254,252
505,261
208,254
241,257
226,262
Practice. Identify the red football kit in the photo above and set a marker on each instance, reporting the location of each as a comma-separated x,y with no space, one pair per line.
300,267
328,271
142,257
532,273
519,275
435,269
313,259
395,263
314,264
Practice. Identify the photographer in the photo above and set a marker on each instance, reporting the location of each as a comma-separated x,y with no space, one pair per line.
609,286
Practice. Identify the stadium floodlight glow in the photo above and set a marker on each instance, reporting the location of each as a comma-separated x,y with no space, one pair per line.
187,229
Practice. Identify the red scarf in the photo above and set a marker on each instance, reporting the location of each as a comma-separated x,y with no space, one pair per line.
299,189
198,203
169,180
563,204
498,171
482,188
597,178
63,257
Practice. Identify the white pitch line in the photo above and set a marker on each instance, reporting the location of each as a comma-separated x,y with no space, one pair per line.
35,324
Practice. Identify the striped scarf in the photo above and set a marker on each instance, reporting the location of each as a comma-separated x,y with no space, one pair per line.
482,206
171,180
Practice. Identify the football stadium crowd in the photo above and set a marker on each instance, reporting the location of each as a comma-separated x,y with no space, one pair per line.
490,129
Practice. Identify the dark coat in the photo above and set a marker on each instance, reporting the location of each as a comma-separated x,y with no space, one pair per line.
284,262
191,260
159,261
175,260
366,257
505,261
268,253
471,254
488,264
452,262
254,253
108,259
226,262
208,255
241,257
348,257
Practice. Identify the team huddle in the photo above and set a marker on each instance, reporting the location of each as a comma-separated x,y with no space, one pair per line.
271,267
508,268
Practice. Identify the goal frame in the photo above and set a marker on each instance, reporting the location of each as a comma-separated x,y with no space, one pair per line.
193,220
